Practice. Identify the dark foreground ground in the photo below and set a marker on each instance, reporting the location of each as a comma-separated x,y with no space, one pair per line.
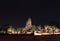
6,37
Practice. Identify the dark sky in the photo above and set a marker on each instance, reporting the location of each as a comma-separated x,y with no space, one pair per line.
41,12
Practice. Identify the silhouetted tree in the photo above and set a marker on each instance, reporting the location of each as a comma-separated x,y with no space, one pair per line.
54,23
4,27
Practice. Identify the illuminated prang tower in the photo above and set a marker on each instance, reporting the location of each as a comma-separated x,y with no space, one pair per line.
28,24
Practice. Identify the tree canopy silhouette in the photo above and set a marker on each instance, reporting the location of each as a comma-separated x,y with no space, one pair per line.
5,27
54,23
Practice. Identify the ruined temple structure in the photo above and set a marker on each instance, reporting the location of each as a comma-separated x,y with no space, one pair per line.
28,24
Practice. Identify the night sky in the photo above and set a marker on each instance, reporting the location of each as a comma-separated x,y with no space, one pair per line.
41,12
